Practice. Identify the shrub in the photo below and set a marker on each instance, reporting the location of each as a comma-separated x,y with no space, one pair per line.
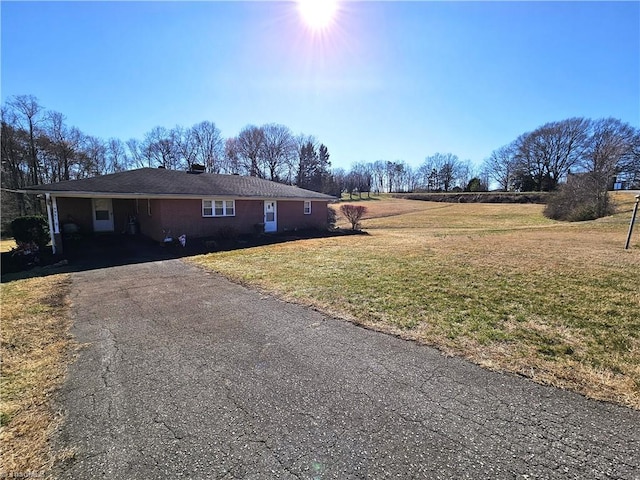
354,214
228,232
30,229
332,218
578,200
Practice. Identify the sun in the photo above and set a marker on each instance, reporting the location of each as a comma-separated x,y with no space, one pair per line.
318,14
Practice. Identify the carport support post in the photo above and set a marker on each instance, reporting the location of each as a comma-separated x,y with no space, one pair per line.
52,212
633,220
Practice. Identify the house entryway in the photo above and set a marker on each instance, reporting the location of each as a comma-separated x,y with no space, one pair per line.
102,215
270,216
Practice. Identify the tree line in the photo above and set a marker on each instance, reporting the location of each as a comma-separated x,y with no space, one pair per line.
604,151
540,160
441,172
39,147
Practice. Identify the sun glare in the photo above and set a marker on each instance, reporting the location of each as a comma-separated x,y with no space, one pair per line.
318,14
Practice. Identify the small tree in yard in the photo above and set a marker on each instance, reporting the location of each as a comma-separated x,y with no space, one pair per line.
354,214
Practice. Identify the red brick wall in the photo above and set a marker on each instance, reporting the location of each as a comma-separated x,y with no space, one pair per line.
291,215
149,218
185,216
122,210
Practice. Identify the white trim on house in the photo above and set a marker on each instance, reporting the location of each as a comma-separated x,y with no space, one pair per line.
307,207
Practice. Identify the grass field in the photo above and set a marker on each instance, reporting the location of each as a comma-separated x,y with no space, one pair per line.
35,347
496,283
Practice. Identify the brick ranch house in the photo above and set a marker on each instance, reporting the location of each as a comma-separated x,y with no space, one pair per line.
156,201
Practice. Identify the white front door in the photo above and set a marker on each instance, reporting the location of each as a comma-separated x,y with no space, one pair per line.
102,215
270,216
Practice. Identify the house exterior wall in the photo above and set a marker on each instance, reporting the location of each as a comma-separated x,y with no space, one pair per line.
123,209
185,217
157,218
291,216
148,215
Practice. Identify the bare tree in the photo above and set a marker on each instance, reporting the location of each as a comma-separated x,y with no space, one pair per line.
548,153
65,145
378,169
464,174
608,151
442,171
339,178
428,174
501,166
29,108
630,167
161,148
15,164
249,147
354,214
117,159
232,157
134,146
184,147
209,146
94,157
449,170
360,178
278,149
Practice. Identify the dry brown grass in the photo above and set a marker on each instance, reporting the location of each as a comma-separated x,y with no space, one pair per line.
7,244
498,284
36,347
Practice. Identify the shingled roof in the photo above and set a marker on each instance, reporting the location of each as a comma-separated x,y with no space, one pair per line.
175,184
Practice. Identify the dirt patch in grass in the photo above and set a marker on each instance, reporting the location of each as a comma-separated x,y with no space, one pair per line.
36,347
498,284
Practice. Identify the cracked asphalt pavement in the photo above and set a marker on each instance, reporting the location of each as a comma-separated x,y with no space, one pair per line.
185,374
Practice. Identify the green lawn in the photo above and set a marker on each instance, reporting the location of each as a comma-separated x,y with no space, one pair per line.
498,284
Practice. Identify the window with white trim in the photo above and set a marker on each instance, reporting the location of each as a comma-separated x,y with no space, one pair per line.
307,207
218,208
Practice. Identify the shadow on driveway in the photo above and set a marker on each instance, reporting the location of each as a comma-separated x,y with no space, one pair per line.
111,250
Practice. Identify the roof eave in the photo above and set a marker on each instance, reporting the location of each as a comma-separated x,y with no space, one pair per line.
134,195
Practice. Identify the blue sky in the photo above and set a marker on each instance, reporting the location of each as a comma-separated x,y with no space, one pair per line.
388,80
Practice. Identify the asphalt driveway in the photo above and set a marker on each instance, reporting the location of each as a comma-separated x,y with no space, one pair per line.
186,375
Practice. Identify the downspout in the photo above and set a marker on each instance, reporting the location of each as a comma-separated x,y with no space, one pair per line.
51,226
